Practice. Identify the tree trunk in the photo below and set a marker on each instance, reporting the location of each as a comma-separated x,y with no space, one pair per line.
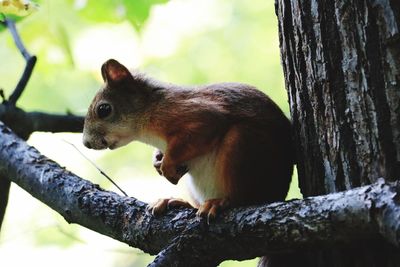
341,61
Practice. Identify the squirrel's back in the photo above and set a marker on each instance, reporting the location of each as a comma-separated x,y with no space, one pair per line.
251,159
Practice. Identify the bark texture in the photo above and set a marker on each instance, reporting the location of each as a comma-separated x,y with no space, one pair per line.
7,105
341,61
349,218
24,124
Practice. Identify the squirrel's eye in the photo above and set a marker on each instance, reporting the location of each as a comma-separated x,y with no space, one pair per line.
103,110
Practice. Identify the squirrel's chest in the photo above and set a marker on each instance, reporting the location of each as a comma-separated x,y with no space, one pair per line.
202,181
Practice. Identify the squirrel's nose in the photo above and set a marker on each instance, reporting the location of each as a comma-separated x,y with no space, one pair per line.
87,144
104,142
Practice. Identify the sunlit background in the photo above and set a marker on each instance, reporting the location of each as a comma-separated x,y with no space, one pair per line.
180,41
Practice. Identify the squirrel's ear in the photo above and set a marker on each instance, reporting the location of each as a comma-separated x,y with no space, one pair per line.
114,72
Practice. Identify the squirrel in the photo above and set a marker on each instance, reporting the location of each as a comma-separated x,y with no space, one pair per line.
233,140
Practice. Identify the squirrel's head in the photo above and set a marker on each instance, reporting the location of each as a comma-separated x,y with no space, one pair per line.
117,113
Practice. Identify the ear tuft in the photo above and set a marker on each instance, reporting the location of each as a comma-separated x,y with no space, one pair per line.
114,72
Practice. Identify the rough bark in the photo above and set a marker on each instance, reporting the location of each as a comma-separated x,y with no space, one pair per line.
24,124
368,213
341,61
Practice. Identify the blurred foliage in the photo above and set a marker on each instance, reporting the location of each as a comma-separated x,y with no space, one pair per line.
179,41
18,7
136,12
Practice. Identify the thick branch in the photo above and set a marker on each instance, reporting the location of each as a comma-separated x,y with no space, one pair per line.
24,123
368,212
30,63
23,81
189,250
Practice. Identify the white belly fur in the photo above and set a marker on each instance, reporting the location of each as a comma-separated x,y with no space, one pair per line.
152,140
202,178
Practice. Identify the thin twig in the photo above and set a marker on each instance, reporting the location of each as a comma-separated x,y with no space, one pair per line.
10,24
30,61
30,64
14,97
97,167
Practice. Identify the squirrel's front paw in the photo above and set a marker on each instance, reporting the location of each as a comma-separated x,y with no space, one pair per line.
169,172
173,172
157,160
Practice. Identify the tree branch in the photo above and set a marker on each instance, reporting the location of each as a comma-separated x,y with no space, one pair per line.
4,191
30,64
366,213
25,123
188,250
30,61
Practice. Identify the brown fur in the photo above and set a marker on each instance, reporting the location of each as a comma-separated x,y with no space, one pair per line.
247,131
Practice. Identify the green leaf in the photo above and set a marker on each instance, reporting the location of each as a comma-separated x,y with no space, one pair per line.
12,17
65,43
139,11
136,11
16,17
102,11
18,7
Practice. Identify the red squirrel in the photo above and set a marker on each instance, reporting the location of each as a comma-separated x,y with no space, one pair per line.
232,139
